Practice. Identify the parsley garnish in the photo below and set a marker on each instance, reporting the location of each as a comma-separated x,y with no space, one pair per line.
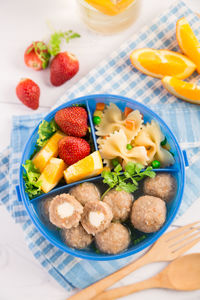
32,185
138,240
56,39
45,131
128,180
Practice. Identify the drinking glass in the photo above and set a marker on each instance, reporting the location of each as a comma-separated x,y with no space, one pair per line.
109,16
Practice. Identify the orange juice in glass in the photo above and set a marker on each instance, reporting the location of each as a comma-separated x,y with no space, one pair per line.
109,16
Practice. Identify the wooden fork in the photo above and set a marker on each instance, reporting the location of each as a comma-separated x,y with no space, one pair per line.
168,247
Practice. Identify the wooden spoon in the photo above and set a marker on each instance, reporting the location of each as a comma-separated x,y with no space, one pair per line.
182,274
168,247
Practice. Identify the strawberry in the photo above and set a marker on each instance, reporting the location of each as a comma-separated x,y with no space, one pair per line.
63,67
28,92
37,56
72,121
72,149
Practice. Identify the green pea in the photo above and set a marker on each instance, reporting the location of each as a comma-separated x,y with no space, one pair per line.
115,162
129,146
155,164
96,120
164,142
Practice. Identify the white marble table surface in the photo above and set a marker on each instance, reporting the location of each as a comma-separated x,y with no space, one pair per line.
21,21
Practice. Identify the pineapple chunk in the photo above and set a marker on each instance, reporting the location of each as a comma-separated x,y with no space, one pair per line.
50,150
52,174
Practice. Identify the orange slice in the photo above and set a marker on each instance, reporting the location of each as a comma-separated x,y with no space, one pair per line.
50,150
87,167
110,7
160,63
52,174
187,91
188,42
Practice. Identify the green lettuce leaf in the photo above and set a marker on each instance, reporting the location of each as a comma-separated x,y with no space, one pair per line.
46,130
32,185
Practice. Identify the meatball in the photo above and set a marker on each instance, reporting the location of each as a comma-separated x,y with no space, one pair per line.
96,217
76,237
85,192
120,203
162,185
114,239
148,214
44,208
65,211
44,212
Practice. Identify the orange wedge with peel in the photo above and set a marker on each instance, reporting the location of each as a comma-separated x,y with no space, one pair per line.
110,7
87,167
186,91
160,63
50,150
52,174
188,42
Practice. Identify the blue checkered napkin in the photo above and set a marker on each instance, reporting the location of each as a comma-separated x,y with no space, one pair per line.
113,75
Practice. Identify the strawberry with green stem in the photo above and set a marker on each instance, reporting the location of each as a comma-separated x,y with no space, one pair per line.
37,56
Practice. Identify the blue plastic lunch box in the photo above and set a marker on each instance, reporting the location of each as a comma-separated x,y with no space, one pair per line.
178,170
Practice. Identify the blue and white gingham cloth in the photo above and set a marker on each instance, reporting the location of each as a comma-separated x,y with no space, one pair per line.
113,75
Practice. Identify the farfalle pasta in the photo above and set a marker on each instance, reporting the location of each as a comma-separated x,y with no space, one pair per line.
151,137
125,137
113,120
115,146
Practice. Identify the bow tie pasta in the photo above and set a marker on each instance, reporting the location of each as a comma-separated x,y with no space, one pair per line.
124,136
113,120
115,146
151,137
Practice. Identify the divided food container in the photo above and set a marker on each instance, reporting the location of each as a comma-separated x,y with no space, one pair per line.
177,170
